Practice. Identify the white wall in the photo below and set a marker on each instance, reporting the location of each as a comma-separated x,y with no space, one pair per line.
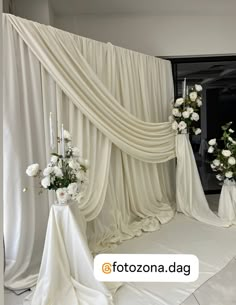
158,35
39,10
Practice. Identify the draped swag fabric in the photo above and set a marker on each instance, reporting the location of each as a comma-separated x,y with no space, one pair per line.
116,103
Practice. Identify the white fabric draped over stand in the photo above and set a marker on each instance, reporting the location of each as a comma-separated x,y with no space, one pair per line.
66,272
190,198
227,204
116,104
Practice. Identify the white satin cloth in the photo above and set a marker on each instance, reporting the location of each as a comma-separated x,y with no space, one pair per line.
227,203
190,197
66,272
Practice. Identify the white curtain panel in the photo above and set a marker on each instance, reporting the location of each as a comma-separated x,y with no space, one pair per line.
125,195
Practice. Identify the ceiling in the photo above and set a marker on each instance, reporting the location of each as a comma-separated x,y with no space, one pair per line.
145,7
220,74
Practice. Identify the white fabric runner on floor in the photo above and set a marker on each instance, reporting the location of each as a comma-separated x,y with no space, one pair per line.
190,197
215,247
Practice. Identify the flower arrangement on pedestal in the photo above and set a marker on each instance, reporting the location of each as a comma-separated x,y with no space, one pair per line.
66,173
185,112
224,163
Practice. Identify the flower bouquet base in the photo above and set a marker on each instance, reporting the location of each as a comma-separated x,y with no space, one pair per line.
227,203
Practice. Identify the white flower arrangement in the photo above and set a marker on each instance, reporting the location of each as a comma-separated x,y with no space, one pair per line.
185,112
67,175
225,157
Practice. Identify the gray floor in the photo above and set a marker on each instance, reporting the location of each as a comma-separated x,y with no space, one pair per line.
12,299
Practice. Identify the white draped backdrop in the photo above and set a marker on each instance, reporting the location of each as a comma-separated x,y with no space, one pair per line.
116,104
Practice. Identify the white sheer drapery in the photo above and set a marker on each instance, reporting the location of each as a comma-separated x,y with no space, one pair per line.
125,195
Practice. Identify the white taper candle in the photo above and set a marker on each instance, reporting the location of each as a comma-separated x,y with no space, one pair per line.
184,88
52,144
62,141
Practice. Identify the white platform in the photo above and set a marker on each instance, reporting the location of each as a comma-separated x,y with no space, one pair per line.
215,248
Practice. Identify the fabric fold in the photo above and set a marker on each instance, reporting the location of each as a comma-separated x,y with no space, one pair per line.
56,50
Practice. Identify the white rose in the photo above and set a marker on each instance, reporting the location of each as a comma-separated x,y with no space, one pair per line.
186,114
229,174
210,149
231,130
179,101
219,177
67,135
194,116
193,96
84,162
176,112
74,165
216,162
57,171
32,170
62,195
47,171
232,161
175,125
54,159
198,88
197,131
190,109
45,182
75,151
199,103
212,142
226,153
72,188
81,175
213,166
182,125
